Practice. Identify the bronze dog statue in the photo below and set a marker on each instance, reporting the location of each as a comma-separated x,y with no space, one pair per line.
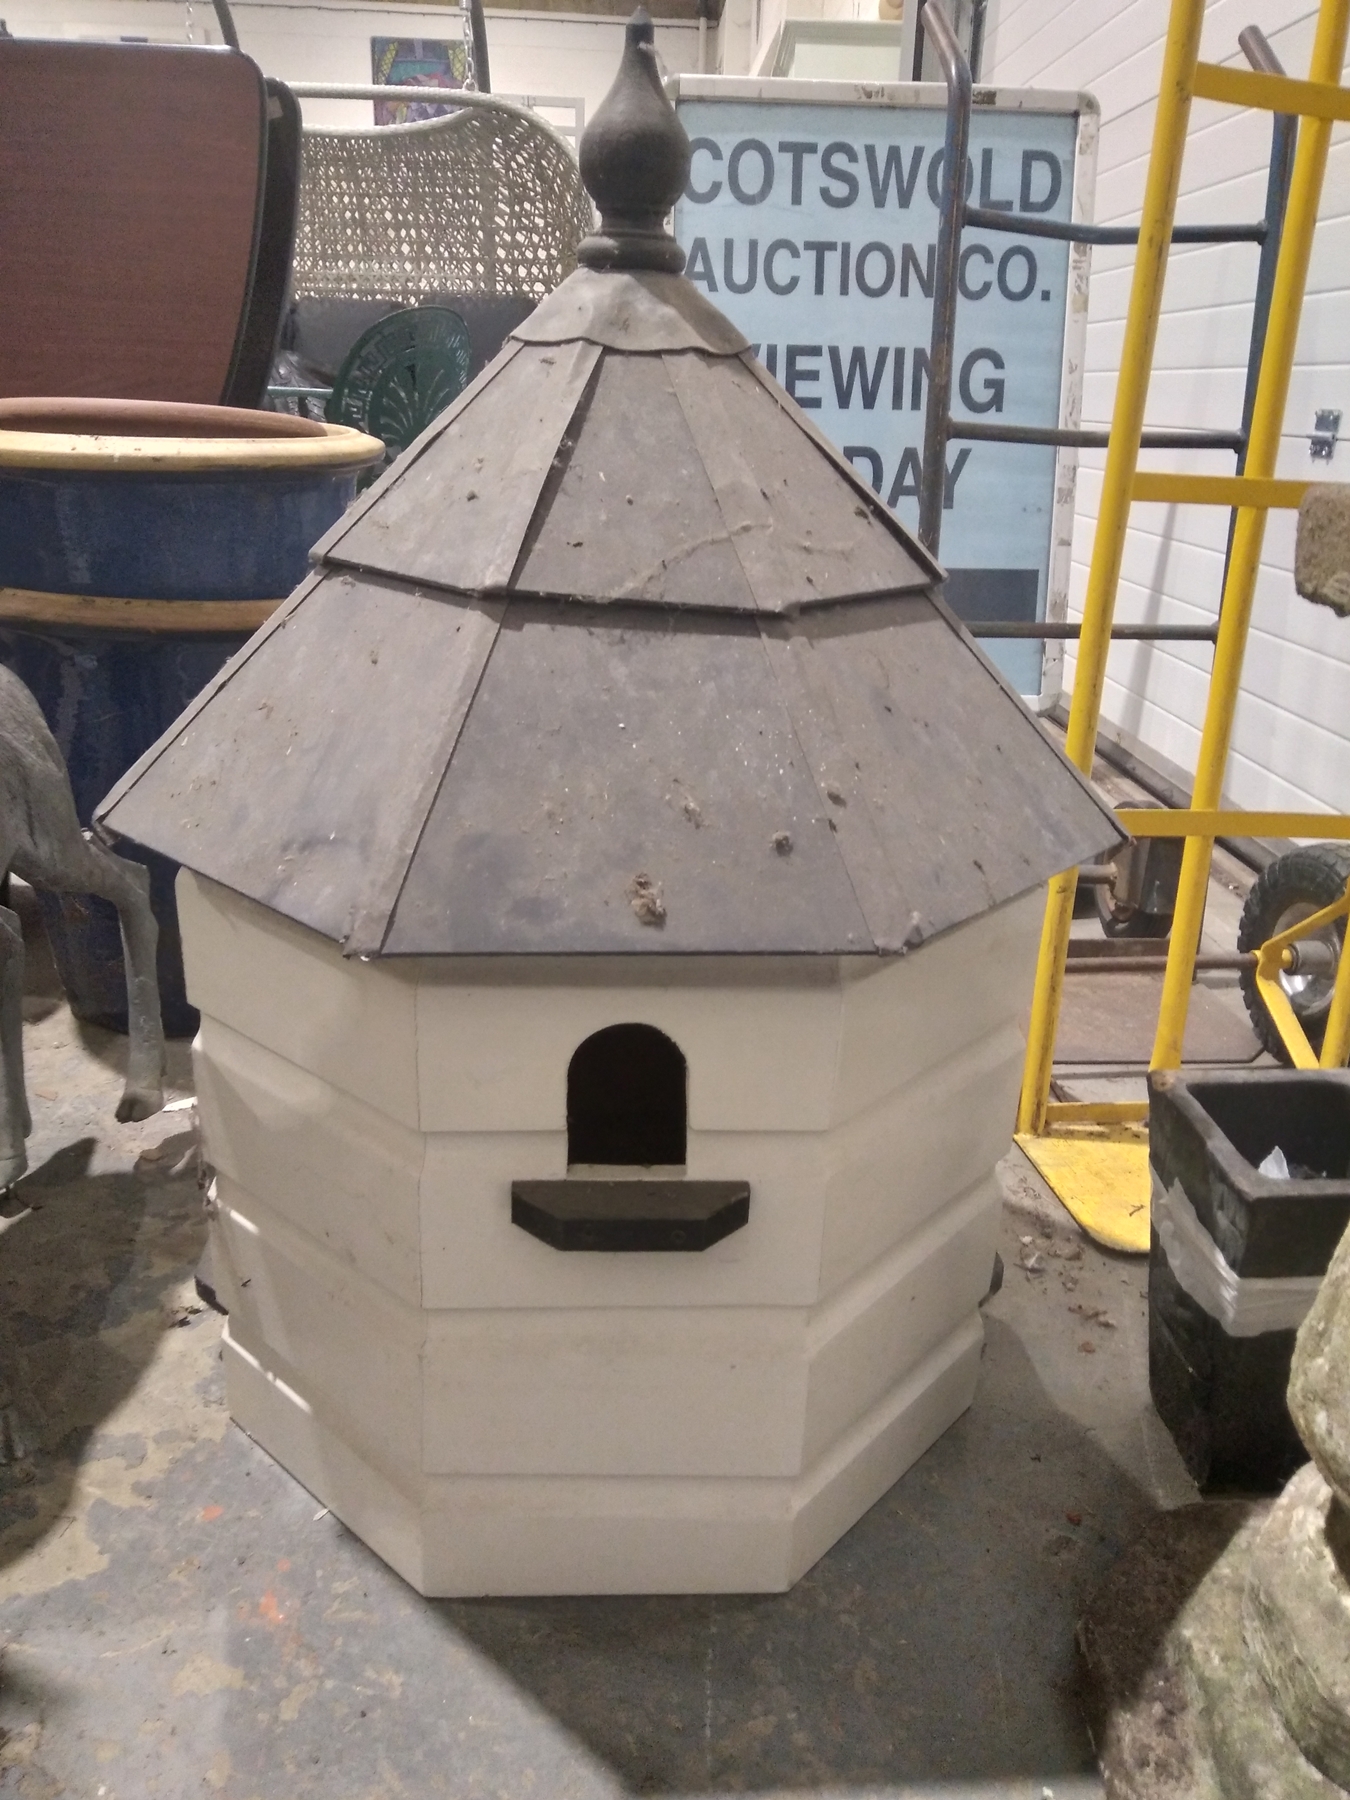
41,841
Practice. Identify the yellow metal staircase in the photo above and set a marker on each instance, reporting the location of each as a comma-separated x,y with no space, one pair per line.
1095,1155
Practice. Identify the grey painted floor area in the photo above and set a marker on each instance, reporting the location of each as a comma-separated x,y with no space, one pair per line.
179,1617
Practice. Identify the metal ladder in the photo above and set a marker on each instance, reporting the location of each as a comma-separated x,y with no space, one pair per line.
956,213
1104,1181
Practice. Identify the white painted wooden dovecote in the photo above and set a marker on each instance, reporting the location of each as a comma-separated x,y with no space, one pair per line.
614,842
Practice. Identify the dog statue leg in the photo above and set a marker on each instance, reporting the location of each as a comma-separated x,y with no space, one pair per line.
127,885
15,1123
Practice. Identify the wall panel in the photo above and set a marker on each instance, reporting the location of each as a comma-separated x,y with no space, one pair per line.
1292,735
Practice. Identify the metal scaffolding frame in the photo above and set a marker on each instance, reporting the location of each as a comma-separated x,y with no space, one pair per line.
1304,113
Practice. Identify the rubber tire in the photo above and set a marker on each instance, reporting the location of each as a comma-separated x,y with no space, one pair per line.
1128,921
1314,875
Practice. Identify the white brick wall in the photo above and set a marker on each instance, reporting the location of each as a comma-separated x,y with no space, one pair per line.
1292,739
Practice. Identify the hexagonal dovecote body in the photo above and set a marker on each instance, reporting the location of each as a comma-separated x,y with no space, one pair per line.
614,847
496,1416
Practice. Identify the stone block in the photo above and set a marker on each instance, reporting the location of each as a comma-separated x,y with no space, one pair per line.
1237,1257
1322,546
1319,1383
1245,1750
1297,1619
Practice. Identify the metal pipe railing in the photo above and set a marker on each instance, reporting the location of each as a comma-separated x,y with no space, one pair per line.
1074,231
1267,424
225,19
956,213
956,72
977,23
1090,437
524,106
1180,52
1071,629
1283,143
1143,962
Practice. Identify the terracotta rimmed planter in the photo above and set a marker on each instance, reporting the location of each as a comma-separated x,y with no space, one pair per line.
141,543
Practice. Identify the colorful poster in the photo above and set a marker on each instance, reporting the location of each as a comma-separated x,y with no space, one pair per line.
414,62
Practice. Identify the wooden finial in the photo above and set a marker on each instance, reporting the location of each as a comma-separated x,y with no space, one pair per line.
635,163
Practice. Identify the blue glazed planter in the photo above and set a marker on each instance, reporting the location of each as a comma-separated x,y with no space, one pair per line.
141,544
165,537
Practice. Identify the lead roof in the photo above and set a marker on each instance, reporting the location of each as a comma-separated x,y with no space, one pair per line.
620,657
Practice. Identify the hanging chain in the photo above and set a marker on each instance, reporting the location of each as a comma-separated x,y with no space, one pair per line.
188,25
470,72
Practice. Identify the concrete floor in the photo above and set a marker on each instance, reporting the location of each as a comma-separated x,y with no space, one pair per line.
178,1616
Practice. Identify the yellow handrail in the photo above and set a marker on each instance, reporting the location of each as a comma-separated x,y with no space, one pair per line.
1164,821
1215,490
1319,100
1272,93
1127,423
1263,445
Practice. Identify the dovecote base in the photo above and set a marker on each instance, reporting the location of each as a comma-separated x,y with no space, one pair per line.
494,1415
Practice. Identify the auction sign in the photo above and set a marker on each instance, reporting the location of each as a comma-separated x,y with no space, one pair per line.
811,220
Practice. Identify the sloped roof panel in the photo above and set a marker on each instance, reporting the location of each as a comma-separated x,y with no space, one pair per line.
606,531
803,530
628,782
414,773
637,310
709,704
726,503
456,512
302,778
946,798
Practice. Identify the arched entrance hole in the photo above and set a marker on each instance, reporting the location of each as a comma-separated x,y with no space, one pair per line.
627,1101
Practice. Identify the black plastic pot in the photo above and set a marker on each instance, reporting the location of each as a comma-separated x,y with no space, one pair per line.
1236,1257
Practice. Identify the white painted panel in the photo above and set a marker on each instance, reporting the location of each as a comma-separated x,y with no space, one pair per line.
573,1535
616,1391
904,1016
345,1174
724,1391
291,991
576,1536
351,1350
869,1336
889,1440
760,1036
893,1167
279,1418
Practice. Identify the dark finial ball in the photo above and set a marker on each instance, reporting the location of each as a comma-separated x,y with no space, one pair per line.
635,163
